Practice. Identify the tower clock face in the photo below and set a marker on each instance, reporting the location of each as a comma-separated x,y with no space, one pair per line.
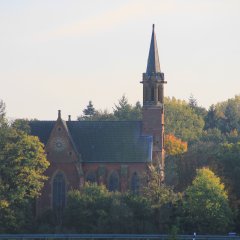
59,144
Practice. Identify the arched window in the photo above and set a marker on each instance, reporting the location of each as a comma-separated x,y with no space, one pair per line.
59,191
152,93
91,177
113,182
135,183
159,94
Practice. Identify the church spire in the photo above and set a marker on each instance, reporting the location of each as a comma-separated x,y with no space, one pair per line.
153,65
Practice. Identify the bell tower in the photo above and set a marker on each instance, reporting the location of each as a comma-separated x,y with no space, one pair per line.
153,104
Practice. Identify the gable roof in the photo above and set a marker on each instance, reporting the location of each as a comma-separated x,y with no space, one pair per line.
103,141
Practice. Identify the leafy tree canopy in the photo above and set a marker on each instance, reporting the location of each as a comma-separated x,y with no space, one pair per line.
181,120
224,115
121,111
174,145
205,204
22,163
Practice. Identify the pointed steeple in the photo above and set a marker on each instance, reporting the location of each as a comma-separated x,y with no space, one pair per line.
153,65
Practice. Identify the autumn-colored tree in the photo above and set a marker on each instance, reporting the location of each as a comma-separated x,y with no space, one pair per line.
174,145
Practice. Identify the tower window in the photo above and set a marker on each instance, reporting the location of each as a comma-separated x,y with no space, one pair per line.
59,192
152,93
159,94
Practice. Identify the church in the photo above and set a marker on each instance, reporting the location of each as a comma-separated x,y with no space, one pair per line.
113,153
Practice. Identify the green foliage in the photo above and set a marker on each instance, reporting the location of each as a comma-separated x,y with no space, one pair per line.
106,212
88,112
2,109
229,166
200,111
91,204
21,125
122,111
180,170
212,135
205,205
22,163
181,120
162,199
225,116
125,111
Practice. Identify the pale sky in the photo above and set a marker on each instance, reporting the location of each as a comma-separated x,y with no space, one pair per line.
59,54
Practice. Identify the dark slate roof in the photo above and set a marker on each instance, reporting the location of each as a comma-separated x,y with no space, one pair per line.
42,129
153,65
103,141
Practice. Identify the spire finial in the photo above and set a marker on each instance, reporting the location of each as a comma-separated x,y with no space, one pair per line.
59,114
153,26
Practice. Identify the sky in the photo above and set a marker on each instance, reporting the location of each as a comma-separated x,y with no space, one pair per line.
59,54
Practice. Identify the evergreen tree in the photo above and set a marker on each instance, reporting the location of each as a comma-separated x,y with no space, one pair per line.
88,113
2,109
90,110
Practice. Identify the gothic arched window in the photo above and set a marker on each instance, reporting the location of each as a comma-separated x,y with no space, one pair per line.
135,184
152,93
113,182
91,177
59,191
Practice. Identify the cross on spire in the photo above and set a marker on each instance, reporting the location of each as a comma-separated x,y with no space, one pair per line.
153,65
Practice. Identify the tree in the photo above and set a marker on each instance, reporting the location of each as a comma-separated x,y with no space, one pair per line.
88,112
211,118
162,199
22,125
92,204
2,110
225,116
182,121
125,111
192,102
181,169
106,212
205,205
22,164
103,116
174,145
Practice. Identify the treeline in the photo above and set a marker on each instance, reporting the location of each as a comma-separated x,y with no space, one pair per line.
202,208
184,119
200,193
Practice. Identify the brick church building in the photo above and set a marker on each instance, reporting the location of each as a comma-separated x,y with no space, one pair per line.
113,153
